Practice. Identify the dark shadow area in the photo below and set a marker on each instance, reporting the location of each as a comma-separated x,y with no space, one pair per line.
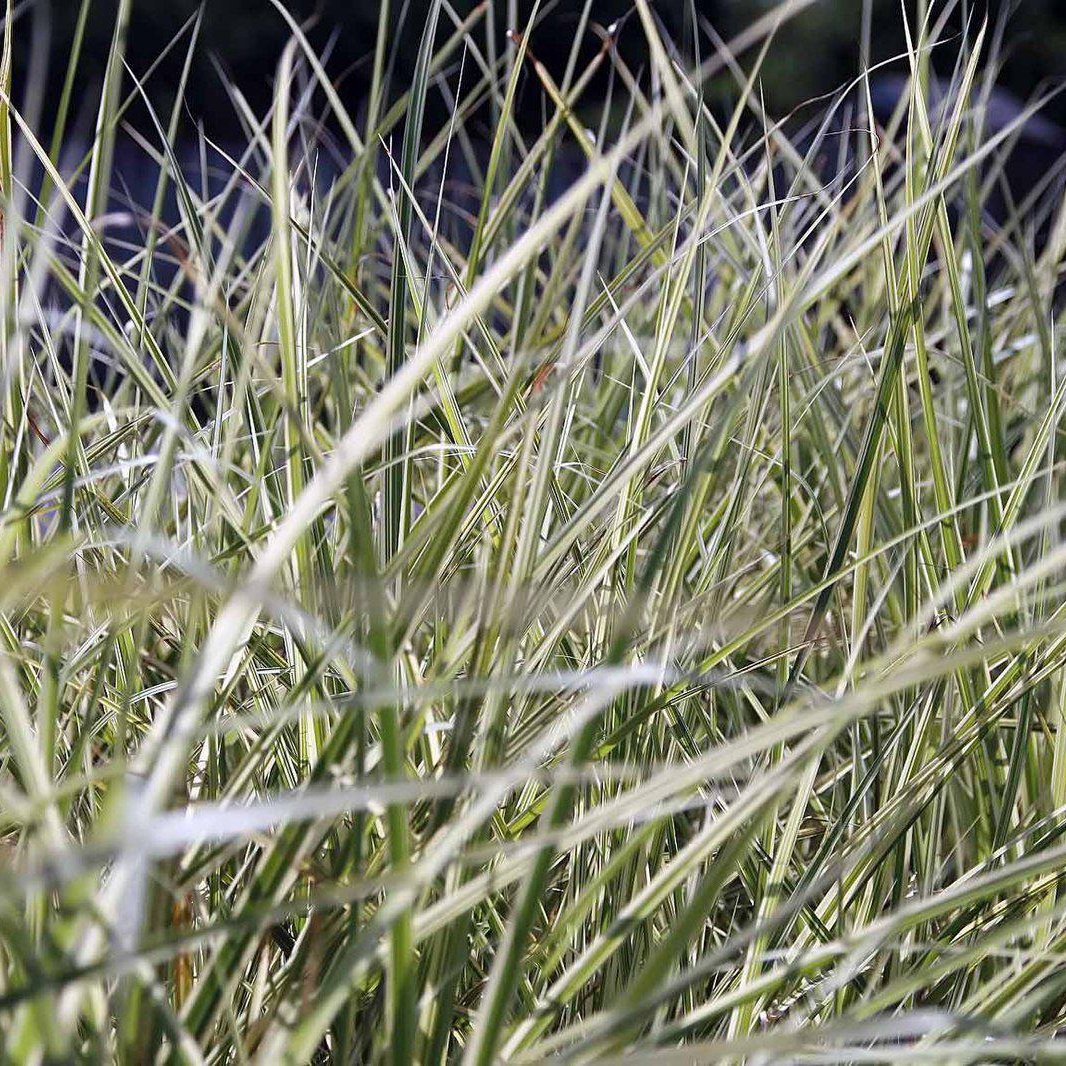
241,40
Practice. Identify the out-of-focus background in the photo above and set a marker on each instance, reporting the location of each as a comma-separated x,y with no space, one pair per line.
816,52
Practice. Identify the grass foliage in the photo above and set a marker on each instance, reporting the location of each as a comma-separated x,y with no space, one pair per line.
458,619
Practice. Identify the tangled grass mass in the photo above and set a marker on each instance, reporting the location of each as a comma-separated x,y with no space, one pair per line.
592,593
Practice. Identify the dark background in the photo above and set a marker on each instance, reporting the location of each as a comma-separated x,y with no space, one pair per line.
814,54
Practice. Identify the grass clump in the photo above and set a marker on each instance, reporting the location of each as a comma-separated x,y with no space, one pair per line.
451,614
